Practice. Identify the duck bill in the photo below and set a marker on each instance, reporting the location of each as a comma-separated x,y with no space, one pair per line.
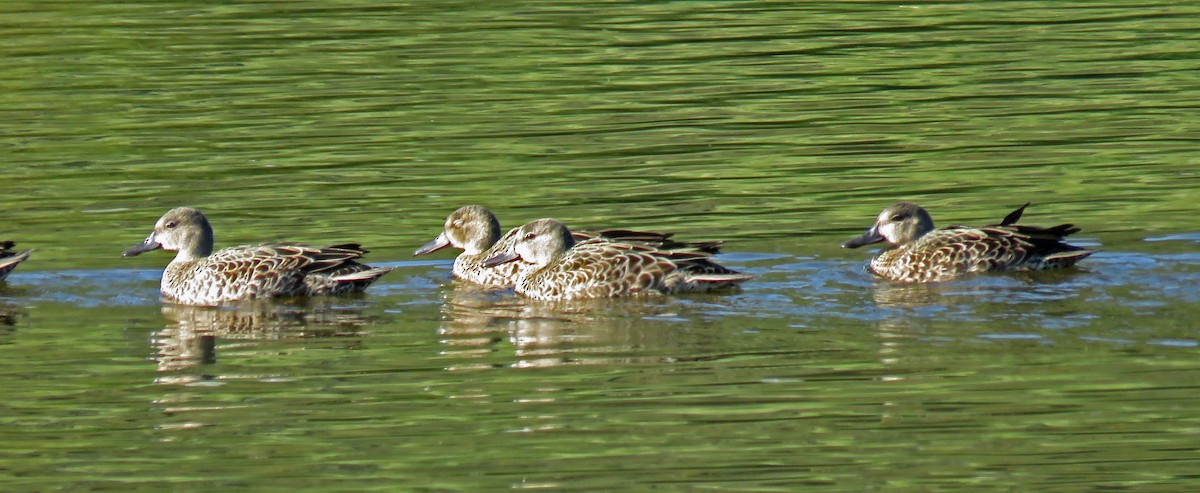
872,236
437,244
143,247
501,258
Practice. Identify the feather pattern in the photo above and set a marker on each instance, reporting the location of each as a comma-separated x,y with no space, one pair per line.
919,253
476,231
198,276
9,259
561,269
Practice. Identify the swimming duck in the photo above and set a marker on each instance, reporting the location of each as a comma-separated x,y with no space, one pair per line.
563,269
198,276
475,230
917,252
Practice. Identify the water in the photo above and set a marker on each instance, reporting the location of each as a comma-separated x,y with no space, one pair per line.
782,128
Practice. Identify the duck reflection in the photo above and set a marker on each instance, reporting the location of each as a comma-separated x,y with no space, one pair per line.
8,323
480,324
1021,308
893,295
190,337
1016,287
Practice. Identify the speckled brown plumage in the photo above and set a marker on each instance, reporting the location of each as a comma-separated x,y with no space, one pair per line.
919,253
9,259
596,268
475,230
198,276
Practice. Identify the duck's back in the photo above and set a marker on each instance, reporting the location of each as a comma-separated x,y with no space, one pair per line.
597,269
950,252
268,270
603,269
469,267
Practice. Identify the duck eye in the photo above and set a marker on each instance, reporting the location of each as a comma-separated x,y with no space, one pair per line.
530,236
898,217
170,224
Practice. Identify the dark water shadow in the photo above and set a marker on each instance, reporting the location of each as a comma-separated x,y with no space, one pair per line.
193,334
9,314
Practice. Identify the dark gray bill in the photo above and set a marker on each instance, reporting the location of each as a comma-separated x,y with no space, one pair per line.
437,244
141,248
871,236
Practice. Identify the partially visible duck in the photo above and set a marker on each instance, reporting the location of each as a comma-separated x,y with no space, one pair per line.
9,259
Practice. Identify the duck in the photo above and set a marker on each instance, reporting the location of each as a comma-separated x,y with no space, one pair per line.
475,230
916,252
199,276
563,269
9,258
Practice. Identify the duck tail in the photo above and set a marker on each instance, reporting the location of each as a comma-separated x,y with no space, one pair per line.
14,259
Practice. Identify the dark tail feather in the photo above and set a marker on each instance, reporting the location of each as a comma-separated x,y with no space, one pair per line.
661,241
712,247
1047,235
1063,230
1014,216
631,235
352,247
1057,232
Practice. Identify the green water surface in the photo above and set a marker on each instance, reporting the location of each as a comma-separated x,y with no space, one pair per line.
780,127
